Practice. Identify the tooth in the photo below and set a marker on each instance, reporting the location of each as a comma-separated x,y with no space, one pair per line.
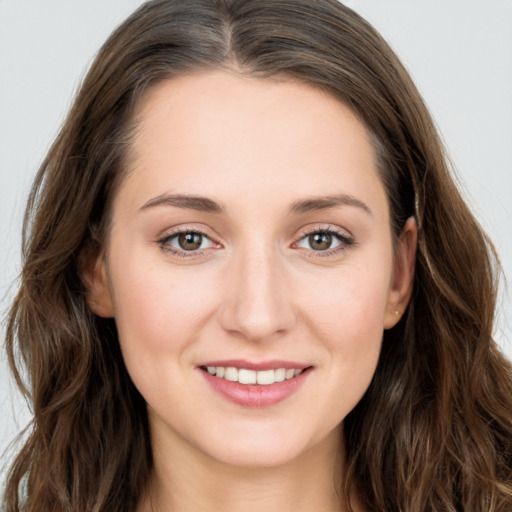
280,375
246,376
231,374
265,377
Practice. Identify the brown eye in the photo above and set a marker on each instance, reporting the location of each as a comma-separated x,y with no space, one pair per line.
320,241
187,243
325,241
190,241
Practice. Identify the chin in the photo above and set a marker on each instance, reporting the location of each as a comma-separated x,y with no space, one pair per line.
266,447
258,455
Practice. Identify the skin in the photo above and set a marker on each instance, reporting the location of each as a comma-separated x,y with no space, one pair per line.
257,290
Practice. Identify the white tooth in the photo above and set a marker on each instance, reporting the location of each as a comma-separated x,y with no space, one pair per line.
289,373
211,370
297,372
280,375
265,377
231,374
220,371
246,376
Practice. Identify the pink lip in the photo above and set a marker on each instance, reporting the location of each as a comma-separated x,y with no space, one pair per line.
255,395
263,365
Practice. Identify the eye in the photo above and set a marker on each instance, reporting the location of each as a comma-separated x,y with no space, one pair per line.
320,241
187,241
325,241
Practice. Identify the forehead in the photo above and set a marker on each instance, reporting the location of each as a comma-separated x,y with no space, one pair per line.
218,133
213,103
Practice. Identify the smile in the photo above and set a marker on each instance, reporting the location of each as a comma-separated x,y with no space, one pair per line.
248,377
250,384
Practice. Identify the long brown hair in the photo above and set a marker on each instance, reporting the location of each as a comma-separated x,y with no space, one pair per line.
434,430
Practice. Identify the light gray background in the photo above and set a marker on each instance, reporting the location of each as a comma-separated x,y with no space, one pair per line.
458,51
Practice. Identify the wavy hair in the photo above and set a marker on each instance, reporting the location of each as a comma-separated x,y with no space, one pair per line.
433,431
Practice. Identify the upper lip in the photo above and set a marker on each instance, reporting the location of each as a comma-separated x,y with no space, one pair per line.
257,366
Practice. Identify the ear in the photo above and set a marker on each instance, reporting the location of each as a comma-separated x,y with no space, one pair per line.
98,296
403,274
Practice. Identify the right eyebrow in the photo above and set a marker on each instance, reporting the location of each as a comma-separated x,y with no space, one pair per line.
199,203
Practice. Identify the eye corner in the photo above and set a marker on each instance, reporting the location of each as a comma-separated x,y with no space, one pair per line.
174,242
342,239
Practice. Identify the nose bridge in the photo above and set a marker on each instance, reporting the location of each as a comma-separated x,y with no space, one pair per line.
257,304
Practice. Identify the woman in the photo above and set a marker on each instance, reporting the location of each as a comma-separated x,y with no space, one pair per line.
262,288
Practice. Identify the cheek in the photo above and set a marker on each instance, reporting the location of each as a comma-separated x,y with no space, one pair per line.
349,308
158,311
346,317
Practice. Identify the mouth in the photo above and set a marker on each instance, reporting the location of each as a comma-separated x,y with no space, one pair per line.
253,377
255,385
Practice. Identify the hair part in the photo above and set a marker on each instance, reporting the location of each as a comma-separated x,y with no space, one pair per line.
434,430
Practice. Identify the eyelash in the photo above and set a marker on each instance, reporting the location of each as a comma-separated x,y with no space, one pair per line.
345,242
165,243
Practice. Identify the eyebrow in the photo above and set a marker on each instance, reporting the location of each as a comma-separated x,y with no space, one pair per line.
205,204
325,202
199,203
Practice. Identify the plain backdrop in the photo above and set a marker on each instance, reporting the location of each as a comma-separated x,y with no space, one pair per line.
458,51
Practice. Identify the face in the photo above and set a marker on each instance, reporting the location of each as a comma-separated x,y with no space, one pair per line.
250,266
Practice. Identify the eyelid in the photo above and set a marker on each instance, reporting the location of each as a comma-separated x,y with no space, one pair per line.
166,236
346,239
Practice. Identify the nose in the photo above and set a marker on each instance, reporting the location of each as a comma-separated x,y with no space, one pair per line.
257,304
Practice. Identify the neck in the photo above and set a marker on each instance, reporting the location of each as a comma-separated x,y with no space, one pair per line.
188,480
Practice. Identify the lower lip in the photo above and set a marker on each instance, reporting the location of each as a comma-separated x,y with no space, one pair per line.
249,395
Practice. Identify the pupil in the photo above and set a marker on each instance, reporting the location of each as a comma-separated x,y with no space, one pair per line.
190,241
320,241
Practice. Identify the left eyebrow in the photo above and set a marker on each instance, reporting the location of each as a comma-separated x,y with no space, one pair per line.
325,202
